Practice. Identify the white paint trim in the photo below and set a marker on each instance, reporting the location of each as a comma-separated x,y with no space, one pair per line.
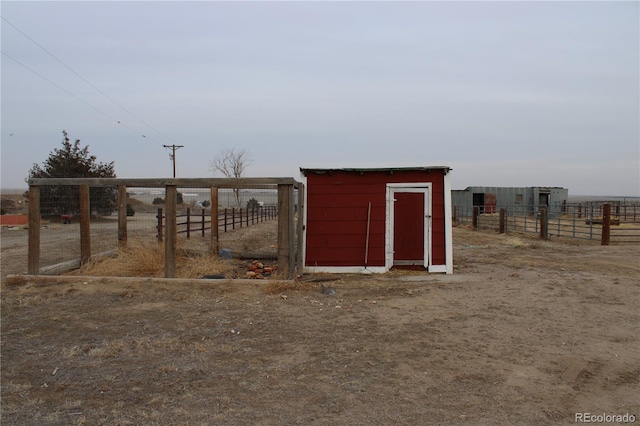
448,224
438,269
418,187
303,212
344,269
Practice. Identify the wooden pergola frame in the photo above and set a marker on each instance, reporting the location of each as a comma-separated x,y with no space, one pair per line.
288,262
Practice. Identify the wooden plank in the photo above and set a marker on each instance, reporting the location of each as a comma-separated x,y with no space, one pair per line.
474,218
258,183
33,258
343,228
300,230
85,224
122,216
342,256
544,223
61,268
286,263
291,231
349,213
171,234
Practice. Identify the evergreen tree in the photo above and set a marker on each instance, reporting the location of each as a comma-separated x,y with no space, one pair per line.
74,161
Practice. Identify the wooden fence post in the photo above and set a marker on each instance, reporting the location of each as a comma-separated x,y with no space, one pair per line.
285,230
122,216
33,260
159,226
188,223
202,221
454,217
225,219
544,232
502,221
233,218
474,219
85,224
606,225
214,221
171,232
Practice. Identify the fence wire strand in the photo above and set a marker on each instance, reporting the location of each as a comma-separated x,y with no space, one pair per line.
579,221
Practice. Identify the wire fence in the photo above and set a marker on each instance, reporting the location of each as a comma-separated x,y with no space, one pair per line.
578,221
243,232
247,221
194,222
251,231
623,212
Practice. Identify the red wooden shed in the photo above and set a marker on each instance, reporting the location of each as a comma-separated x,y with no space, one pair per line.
374,219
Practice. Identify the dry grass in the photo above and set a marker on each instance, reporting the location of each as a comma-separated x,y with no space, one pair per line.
147,260
15,280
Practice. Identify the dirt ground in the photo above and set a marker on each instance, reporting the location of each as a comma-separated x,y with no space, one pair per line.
525,332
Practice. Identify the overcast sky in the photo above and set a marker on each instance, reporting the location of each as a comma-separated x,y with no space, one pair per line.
505,93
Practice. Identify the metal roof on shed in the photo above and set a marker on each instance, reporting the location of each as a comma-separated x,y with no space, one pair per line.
374,169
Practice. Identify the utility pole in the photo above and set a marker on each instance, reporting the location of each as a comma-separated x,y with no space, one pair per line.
173,155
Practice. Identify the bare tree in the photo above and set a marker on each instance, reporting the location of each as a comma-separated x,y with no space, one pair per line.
231,163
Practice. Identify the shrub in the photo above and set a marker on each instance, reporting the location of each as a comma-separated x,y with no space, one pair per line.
252,203
130,210
179,199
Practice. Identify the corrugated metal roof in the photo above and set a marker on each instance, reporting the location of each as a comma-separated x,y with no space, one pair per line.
373,169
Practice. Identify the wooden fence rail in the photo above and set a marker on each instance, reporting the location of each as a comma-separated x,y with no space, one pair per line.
576,225
228,219
288,259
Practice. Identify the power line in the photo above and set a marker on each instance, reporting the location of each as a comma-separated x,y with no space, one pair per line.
69,93
85,80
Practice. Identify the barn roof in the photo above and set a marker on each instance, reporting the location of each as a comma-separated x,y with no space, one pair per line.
305,171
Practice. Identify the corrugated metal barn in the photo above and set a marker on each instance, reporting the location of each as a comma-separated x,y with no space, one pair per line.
375,219
490,198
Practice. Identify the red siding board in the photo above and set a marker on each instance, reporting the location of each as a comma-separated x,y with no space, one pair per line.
358,188
355,214
338,256
343,227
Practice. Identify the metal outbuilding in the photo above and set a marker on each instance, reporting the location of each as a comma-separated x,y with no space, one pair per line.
490,198
375,219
